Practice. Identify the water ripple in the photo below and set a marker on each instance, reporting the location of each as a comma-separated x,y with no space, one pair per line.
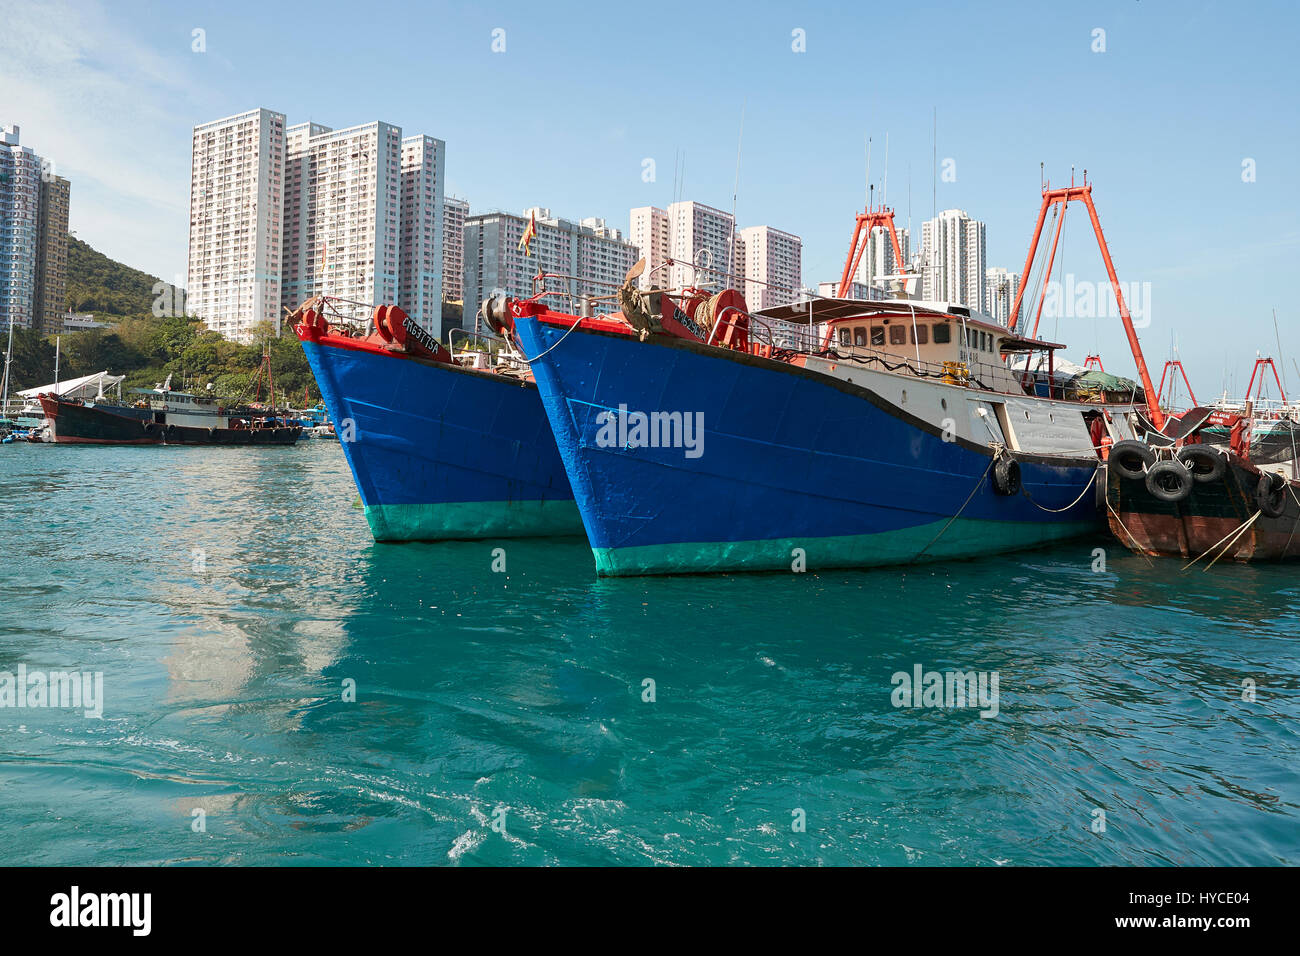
233,600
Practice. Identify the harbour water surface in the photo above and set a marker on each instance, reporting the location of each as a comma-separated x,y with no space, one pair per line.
230,597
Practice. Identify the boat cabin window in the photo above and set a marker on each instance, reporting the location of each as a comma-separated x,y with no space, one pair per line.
942,333
846,335
860,335
920,334
898,335
877,335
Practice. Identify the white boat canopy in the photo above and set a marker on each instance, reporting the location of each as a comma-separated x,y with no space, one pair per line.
88,386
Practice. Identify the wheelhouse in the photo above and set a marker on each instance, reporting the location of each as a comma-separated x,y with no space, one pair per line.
921,339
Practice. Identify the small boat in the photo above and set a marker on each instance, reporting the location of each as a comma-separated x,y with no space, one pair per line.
701,437
162,416
441,446
98,422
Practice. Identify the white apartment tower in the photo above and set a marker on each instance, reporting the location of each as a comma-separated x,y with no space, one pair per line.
595,254
953,259
343,213
420,258
454,213
704,236
649,232
878,260
278,215
1000,288
236,203
773,266
20,199
766,261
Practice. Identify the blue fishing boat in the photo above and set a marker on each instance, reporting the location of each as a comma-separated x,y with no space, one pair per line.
832,433
439,448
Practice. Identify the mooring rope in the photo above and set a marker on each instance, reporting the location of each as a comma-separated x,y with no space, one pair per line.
530,361
1290,427
1056,511
1140,550
969,498
1235,534
1296,523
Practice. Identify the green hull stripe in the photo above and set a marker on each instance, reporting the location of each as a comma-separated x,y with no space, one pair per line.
965,538
474,519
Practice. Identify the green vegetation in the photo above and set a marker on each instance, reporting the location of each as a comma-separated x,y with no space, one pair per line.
104,286
147,348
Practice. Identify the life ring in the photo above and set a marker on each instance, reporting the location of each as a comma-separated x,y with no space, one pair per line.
1131,458
1169,481
1205,462
1270,494
1006,476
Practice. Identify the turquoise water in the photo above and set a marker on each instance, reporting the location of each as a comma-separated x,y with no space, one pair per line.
478,691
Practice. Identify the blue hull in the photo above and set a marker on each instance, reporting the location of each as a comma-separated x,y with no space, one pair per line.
792,470
441,452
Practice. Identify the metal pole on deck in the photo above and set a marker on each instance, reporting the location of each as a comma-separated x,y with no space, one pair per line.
9,354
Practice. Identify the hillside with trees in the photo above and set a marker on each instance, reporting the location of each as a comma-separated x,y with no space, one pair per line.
147,347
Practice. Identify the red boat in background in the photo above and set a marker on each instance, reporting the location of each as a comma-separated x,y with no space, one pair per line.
164,418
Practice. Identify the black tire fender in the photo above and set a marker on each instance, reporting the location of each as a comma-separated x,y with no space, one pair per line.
1169,481
1270,494
1006,476
1205,462
1132,459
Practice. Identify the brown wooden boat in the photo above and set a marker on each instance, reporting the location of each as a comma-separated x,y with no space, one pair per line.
1196,497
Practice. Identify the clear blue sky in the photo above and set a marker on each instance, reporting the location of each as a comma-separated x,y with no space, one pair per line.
1162,121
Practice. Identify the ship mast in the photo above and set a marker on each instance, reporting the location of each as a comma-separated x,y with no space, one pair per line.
1063,196
9,357
868,220
1175,365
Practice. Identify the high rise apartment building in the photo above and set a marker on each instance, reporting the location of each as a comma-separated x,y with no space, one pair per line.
342,213
592,253
454,213
33,237
50,301
703,237
421,281
710,252
953,263
1000,288
280,214
649,232
773,266
236,209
